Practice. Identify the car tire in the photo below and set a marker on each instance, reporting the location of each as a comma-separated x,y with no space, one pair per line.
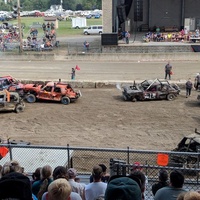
31,98
125,97
19,108
100,33
170,97
134,99
86,33
65,100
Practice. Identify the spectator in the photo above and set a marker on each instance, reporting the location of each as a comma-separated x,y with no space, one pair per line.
171,192
163,181
61,172
189,86
59,189
127,36
36,175
11,166
97,187
76,187
197,81
140,175
40,187
15,185
123,188
105,177
192,195
44,27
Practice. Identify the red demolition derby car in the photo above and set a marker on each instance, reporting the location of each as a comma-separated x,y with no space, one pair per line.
53,91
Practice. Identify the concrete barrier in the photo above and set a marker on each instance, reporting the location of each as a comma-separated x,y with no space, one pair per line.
101,84
109,57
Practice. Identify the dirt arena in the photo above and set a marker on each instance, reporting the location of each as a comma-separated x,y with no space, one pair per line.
101,118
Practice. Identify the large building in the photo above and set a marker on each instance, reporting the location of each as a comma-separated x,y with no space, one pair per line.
134,14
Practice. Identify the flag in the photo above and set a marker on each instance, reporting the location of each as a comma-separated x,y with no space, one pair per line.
77,67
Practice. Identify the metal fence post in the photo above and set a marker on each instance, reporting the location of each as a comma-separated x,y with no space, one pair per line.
10,150
68,156
128,158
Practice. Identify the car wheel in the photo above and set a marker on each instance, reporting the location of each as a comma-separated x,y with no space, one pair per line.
100,33
85,33
31,98
125,97
19,108
170,97
65,100
134,99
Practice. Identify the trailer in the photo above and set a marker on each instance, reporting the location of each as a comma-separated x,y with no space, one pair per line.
79,22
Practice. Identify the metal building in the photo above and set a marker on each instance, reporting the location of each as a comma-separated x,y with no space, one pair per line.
133,15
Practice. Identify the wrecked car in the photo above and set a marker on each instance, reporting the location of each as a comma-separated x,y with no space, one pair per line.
11,101
11,84
150,90
52,91
188,144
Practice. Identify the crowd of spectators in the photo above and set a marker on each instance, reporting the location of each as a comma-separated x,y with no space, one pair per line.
177,36
39,44
60,183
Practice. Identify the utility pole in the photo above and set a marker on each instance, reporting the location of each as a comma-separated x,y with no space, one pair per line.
20,27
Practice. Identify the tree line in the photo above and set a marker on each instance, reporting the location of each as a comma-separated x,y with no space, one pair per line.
44,5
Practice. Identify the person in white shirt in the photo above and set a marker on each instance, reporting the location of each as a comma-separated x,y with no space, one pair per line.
97,188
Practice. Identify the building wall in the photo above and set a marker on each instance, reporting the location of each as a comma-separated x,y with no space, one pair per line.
155,13
165,13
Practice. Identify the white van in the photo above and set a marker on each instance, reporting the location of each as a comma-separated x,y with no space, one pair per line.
94,29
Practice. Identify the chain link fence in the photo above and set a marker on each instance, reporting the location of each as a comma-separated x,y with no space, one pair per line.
119,161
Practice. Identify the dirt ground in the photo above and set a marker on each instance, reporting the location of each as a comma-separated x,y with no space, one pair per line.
101,118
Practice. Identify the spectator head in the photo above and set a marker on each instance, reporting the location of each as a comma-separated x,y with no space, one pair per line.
97,172
59,189
181,196
104,168
46,172
15,185
72,173
36,174
123,188
60,172
136,166
163,175
140,175
191,195
11,166
176,179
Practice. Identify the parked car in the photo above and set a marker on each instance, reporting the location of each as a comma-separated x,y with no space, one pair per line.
150,90
94,29
97,16
11,101
88,16
52,91
11,84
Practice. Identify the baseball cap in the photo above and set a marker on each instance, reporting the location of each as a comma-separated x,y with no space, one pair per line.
137,166
123,188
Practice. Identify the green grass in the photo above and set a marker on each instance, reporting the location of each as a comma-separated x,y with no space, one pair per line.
64,27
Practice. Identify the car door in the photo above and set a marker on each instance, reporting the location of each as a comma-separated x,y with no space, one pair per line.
45,93
57,94
151,92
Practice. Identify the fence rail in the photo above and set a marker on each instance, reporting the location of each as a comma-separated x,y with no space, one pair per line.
84,158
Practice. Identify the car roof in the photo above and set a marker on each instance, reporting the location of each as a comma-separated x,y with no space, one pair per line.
194,136
60,84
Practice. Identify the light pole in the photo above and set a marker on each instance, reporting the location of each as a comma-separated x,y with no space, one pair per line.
20,27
